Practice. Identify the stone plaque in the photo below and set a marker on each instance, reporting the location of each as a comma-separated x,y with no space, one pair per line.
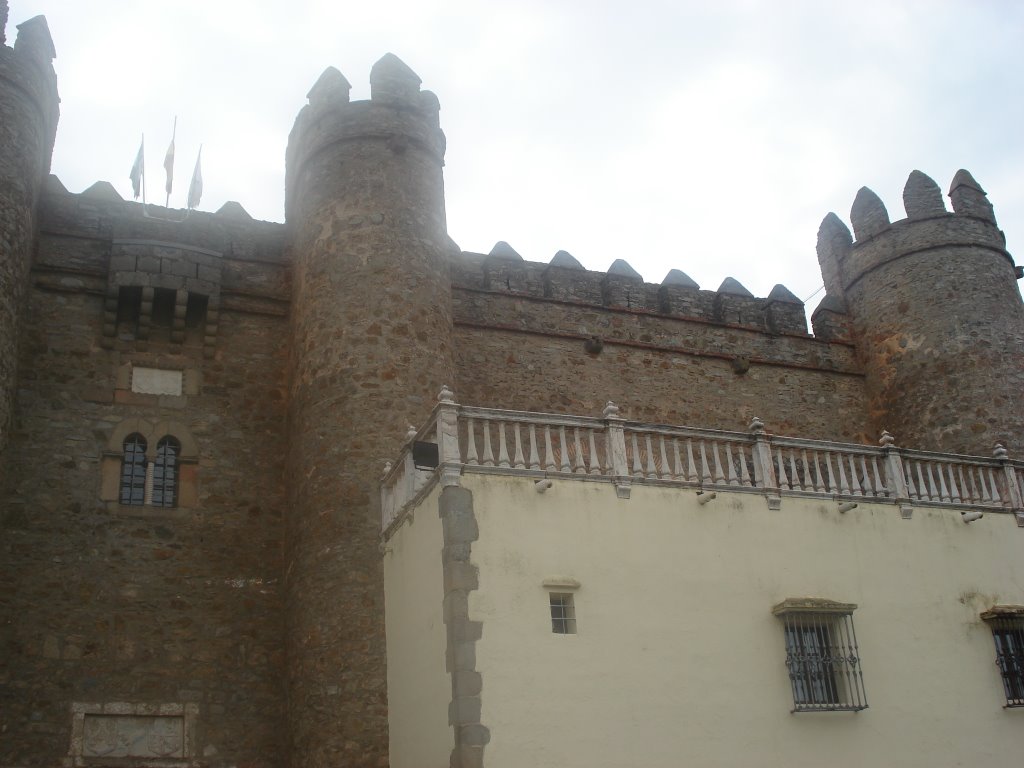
133,736
154,381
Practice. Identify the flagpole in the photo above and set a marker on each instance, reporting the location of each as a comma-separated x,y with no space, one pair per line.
174,133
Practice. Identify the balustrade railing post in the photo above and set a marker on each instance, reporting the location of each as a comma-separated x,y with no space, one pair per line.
449,453
617,450
409,480
1013,489
895,475
764,470
386,498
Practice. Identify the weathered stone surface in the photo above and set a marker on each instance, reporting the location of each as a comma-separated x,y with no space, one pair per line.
503,250
28,114
922,197
833,246
102,190
622,268
370,338
391,80
939,325
734,287
868,215
679,278
330,89
565,260
289,361
233,210
783,294
969,198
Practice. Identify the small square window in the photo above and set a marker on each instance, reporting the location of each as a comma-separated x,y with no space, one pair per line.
822,655
1007,623
563,614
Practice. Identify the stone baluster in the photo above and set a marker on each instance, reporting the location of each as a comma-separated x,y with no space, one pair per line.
617,449
1013,489
409,476
386,498
449,454
896,479
764,471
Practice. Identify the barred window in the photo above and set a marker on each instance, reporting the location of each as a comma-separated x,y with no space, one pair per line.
165,472
1007,623
563,613
822,657
133,470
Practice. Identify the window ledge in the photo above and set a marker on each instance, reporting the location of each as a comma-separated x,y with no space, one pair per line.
793,605
1003,612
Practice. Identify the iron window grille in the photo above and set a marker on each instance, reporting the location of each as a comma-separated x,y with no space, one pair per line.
165,473
563,613
133,470
822,656
1007,624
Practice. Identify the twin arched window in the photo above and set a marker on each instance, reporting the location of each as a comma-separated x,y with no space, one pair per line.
152,483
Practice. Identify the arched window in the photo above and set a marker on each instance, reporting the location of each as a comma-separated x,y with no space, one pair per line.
150,465
165,472
133,470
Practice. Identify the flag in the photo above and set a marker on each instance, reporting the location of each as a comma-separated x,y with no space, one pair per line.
137,169
195,189
169,165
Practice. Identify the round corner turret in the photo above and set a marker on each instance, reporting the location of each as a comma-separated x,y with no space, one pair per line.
29,105
935,311
371,343
398,116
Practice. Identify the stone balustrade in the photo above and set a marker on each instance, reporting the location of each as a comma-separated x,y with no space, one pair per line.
615,450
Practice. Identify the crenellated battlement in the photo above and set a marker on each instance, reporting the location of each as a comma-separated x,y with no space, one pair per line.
932,304
397,113
845,258
504,270
295,354
29,107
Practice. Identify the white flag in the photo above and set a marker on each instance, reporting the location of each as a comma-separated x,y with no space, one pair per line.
137,169
195,189
169,165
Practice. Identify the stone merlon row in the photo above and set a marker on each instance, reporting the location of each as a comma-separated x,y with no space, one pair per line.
104,191
846,258
504,270
922,199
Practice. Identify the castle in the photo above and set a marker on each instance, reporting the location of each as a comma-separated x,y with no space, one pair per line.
195,413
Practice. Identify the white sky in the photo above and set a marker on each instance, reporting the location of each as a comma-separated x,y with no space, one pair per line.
707,136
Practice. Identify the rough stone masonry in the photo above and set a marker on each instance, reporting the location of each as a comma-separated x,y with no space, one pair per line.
242,624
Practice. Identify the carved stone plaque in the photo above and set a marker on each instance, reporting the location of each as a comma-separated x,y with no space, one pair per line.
154,381
133,736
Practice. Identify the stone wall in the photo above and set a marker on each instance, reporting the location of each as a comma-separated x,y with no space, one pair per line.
566,356
132,605
28,120
936,315
371,345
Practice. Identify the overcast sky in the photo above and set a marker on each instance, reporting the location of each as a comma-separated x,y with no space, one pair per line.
711,137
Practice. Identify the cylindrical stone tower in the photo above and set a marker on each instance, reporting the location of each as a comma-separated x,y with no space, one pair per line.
28,123
936,314
370,348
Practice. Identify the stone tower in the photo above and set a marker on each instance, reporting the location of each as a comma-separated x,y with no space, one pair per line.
936,315
28,124
370,348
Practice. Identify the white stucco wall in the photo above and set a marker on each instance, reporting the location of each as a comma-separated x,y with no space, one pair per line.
678,659
419,688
